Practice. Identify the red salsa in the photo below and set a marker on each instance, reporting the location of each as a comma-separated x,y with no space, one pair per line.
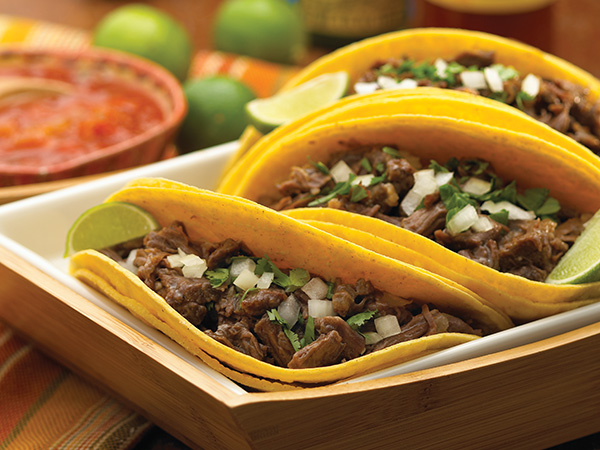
100,112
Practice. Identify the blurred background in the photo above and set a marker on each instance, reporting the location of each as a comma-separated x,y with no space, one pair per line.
563,27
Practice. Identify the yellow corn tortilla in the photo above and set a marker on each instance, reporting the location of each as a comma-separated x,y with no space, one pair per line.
289,243
533,162
432,102
430,43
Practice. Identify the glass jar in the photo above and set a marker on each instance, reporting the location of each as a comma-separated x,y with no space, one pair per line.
335,23
529,21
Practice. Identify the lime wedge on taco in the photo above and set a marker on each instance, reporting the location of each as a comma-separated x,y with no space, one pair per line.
268,113
581,263
108,224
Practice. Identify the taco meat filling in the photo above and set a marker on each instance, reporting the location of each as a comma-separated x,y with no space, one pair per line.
462,205
286,318
560,104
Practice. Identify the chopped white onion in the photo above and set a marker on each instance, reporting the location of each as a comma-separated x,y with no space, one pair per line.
363,180
442,178
241,264
289,309
462,220
246,280
365,88
265,280
493,79
477,186
514,211
175,260
531,85
320,308
191,265
387,326
407,83
425,184
482,224
440,67
340,171
316,289
473,79
371,337
386,82
128,263
195,268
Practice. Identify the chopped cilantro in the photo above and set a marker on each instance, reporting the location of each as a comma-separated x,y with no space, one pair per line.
358,320
366,164
474,166
505,72
293,337
296,279
358,193
391,151
533,199
452,164
454,199
309,332
377,180
499,96
523,97
341,188
380,167
217,277
330,289
500,217
551,206
425,71
437,167
319,166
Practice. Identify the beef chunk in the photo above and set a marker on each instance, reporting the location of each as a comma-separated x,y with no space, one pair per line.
222,253
531,249
326,350
173,237
354,343
187,295
271,334
240,338
479,58
256,303
426,221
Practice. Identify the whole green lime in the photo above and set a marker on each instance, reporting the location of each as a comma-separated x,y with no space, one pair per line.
147,32
215,112
272,30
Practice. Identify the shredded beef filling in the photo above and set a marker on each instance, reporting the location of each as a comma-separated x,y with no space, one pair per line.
528,248
240,320
560,104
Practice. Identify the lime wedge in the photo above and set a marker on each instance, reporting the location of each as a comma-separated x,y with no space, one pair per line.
268,113
108,224
581,263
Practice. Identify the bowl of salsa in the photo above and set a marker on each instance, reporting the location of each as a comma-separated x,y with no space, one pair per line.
117,112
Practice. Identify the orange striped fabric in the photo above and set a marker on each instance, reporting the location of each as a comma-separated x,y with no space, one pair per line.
45,406
42,404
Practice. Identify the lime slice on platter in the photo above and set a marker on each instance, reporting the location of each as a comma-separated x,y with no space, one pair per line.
268,113
108,224
581,263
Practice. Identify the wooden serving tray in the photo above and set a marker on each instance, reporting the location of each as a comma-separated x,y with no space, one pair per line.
530,396
533,396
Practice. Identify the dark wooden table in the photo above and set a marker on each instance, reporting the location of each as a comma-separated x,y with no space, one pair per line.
572,25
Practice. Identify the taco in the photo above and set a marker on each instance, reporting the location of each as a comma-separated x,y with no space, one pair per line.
270,301
544,86
362,173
